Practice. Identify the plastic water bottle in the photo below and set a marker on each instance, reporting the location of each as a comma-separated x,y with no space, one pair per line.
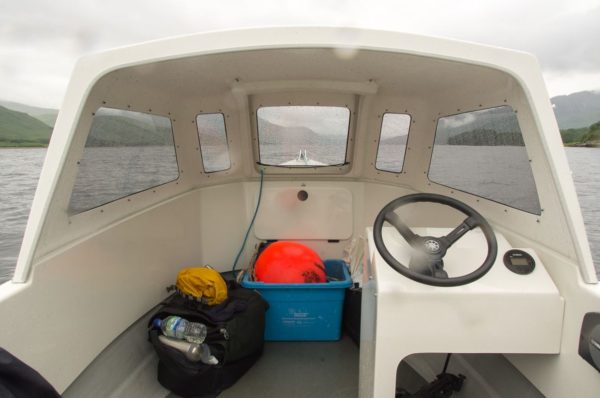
179,328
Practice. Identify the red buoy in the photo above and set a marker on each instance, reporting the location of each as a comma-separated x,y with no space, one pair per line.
289,262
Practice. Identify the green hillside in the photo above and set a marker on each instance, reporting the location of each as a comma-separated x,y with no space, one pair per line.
589,136
46,115
120,130
21,129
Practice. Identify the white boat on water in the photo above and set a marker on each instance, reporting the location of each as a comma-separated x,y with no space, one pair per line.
443,156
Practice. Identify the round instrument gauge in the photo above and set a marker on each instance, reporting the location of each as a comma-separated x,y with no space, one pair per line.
519,262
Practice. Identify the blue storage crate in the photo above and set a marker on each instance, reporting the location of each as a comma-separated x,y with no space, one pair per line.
305,311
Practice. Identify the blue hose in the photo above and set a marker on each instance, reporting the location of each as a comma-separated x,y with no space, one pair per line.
251,222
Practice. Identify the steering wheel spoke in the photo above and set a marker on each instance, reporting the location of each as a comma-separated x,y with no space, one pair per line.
402,228
468,224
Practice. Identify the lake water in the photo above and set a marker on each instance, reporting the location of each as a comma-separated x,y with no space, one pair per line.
20,168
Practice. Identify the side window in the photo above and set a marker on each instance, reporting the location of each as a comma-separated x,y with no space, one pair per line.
392,142
482,152
301,136
213,142
125,153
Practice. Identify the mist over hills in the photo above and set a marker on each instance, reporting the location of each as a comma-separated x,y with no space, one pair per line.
24,125
274,134
577,110
46,115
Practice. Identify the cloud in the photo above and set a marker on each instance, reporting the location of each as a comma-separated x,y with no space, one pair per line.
40,41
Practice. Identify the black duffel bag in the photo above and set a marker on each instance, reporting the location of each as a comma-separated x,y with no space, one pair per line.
235,335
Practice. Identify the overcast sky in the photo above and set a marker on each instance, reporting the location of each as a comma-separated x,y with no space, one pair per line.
41,40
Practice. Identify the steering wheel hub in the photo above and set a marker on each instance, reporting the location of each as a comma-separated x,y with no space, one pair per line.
432,246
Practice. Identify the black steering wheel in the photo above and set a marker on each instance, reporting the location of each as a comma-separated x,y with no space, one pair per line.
426,264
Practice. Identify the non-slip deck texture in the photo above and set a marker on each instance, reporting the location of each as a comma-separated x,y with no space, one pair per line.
301,369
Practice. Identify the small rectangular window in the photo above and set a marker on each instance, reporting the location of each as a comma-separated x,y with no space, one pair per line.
483,153
213,142
126,152
392,142
301,136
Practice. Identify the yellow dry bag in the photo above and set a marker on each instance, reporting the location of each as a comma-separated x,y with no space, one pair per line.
202,283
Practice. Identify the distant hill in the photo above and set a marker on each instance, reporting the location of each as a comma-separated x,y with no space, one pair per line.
495,126
18,126
486,137
46,115
21,129
271,133
114,130
577,110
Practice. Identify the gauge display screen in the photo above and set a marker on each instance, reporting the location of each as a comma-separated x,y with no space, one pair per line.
519,261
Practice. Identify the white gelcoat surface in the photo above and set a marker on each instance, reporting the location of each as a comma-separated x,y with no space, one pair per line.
500,313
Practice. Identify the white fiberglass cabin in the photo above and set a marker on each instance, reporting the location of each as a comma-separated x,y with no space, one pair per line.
162,150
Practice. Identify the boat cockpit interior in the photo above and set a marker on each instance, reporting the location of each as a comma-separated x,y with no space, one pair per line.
435,166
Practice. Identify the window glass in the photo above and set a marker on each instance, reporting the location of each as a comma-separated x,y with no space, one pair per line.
213,142
392,142
125,152
482,152
297,136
